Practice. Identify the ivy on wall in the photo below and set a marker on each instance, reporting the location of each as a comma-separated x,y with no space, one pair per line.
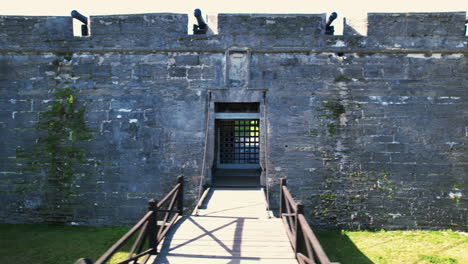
57,152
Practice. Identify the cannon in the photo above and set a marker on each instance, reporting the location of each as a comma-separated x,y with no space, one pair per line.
329,29
202,27
84,28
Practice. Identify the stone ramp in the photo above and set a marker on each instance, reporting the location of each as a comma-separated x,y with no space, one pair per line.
233,228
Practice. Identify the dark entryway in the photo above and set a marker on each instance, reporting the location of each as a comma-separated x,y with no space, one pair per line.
237,147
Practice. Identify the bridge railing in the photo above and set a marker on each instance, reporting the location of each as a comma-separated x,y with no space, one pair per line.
151,229
305,244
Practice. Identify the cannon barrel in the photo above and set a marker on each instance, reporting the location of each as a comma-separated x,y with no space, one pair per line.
80,17
202,27
329,29
331,18
84,28
198,16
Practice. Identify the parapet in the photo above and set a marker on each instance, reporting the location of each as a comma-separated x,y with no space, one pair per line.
34,28
271,24
166,31
165,24
416,24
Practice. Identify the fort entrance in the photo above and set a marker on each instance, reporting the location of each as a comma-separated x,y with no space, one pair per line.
237,145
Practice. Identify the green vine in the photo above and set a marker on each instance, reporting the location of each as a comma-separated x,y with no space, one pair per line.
57,152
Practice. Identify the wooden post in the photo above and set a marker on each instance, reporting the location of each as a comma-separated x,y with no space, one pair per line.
299,235
282,206
153,225
180,198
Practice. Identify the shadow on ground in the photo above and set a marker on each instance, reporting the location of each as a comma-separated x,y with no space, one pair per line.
340,248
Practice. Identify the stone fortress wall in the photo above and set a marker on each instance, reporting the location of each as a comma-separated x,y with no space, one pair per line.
370,131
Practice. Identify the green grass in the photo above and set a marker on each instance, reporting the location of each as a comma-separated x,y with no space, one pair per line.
396,247
48,244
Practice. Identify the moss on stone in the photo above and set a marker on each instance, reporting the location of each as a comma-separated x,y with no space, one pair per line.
327,196
65,54
334,109
331,129
343,78
312,132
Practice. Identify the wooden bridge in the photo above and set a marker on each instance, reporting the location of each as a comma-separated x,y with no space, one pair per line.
234,228
229,226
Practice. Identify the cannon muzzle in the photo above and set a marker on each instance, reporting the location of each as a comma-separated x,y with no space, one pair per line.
202,27
80,17
329,29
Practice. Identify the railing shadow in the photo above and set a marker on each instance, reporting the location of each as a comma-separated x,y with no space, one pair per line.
340,248
233,253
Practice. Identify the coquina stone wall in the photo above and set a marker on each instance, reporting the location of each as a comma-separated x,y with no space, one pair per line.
370,131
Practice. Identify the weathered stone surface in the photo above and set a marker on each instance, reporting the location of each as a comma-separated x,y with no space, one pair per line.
162,24
394,155
271,24
416,24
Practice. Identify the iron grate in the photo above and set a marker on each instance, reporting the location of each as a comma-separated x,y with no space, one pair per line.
239,141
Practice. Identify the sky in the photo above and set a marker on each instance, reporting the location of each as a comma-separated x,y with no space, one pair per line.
355,9
349,7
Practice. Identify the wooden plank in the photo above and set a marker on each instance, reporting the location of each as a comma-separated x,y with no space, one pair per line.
223,253
234,228
214,260
229,232
222,248
221,221
244,239
226,228
230,243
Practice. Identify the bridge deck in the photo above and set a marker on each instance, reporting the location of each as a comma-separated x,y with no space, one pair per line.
234,228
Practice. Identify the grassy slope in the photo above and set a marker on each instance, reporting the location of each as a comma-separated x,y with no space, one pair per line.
396,247
44,244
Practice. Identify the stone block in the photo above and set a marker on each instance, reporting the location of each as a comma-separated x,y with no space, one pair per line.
187,60
395,70
396,147
96,116
158,25
271,24
373,71
177,72
36,28
416,24
143,71
194,73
